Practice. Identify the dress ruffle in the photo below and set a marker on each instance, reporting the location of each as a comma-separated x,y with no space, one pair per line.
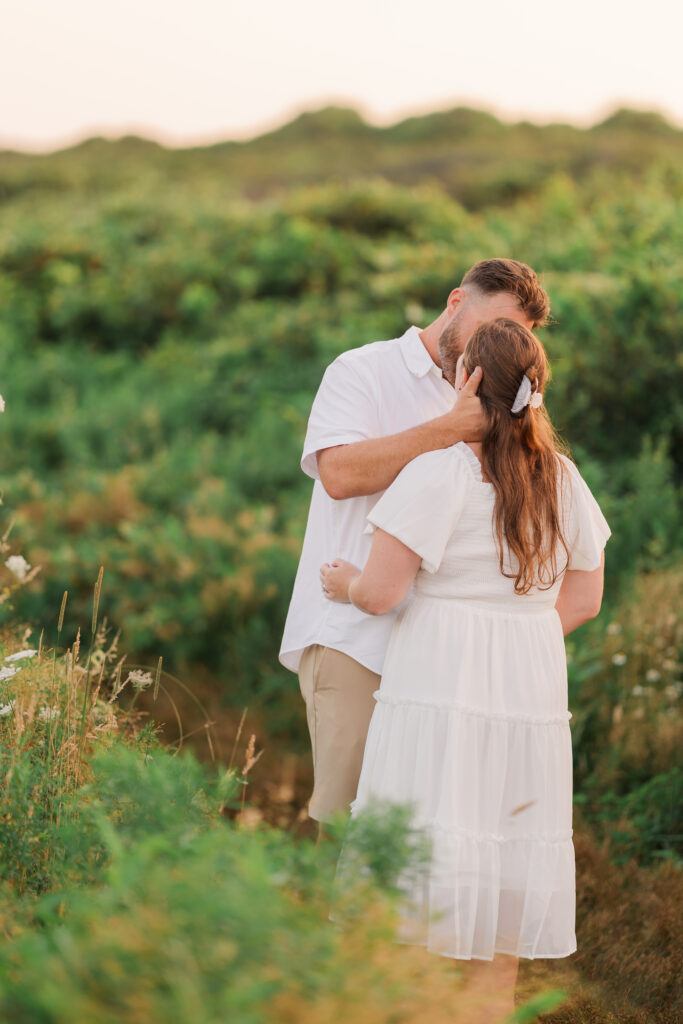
483,896
386,698
501,876
487,895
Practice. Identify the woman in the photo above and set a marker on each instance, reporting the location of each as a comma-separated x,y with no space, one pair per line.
503,542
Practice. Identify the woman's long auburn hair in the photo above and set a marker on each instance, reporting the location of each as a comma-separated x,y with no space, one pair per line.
519,452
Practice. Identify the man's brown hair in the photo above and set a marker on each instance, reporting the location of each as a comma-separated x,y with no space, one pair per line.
498,275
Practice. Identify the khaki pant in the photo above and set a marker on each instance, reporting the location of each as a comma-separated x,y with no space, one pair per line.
339,705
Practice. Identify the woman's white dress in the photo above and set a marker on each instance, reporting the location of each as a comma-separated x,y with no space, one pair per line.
471,725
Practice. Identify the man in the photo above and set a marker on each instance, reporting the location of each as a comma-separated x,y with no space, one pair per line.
378,407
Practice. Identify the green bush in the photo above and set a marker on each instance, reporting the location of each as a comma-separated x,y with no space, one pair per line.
165,343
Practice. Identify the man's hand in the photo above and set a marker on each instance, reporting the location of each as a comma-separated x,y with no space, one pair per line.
368,467
335,578
467,416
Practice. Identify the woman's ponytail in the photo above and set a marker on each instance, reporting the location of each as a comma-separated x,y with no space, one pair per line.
519,451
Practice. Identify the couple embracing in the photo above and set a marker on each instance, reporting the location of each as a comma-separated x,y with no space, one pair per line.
451,545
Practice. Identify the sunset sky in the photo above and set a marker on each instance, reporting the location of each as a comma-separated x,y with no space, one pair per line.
195,72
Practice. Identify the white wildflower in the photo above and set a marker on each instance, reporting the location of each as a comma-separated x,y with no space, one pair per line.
652,675
638,691
139,677
18,655
6,708
619,658
673,692
7,671
614,628
18,565
49,712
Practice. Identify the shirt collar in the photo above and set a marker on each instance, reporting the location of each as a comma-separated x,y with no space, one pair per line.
416,356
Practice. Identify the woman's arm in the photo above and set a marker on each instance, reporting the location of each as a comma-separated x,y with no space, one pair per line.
580,596
382,584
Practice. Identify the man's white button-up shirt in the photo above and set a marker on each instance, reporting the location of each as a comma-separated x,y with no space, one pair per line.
368,392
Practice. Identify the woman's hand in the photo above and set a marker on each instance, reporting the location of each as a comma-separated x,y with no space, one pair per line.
335,578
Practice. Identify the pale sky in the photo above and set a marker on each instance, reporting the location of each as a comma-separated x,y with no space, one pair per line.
195,72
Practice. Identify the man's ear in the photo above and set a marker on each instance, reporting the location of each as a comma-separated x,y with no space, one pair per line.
454,299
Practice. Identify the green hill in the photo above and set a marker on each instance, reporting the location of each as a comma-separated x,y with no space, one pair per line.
475,157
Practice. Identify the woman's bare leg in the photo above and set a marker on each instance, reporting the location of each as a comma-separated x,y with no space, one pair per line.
489,987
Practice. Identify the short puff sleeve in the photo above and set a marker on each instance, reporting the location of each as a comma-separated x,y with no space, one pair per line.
587,530
422,506
344,411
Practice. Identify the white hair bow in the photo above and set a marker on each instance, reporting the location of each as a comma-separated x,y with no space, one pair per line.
525,396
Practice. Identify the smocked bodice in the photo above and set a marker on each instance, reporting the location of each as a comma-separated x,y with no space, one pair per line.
470,568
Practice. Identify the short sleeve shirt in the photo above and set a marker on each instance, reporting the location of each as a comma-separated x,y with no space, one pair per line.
373,391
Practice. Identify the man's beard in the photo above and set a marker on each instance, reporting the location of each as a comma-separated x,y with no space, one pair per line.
450,348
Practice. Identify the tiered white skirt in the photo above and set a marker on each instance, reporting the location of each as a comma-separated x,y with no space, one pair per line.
471,729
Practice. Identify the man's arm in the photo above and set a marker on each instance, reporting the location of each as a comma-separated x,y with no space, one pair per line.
366,467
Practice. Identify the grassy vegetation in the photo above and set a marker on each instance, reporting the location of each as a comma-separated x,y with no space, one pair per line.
137,885
166,318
